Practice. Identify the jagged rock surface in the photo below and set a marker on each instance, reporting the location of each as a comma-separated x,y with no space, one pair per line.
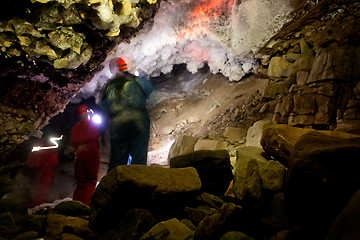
49,51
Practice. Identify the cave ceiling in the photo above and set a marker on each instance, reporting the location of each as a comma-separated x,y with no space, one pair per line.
50,49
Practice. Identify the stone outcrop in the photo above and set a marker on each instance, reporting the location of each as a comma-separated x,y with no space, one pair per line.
211,226
138,186
171,229
208,144
213,167
323,175
56,223
182,145
235,133
259,182
314,70
247,175
255,132
279,140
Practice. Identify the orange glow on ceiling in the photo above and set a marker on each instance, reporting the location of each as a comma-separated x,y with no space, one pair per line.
206,6
198,22
201,16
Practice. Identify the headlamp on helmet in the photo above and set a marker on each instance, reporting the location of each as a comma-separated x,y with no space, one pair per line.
83,111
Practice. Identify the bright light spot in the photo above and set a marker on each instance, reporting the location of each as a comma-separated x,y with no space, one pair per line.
96,119
53,140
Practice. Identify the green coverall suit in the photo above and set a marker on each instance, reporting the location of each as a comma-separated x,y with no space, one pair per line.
124,100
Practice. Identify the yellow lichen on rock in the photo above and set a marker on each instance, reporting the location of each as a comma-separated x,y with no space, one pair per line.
66,37
22,27
49,52
40,1
86,54
113,34
60,63
105,12
126,8
9,27
50,33
7,44
91,2
24,41
135,21
13,52
77,43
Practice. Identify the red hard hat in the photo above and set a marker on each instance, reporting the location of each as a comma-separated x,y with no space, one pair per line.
122,64
82,111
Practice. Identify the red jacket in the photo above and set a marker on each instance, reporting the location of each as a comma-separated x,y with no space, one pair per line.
85,142
44,157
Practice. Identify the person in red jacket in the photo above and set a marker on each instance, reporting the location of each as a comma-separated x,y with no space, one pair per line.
43,164
85,142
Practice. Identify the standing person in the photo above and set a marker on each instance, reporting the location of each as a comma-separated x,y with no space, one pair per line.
43,163
124,100
85,142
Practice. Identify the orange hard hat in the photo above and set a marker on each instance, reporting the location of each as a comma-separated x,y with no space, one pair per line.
122,64
83,111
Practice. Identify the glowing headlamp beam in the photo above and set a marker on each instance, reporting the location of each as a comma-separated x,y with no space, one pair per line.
53,140
96,119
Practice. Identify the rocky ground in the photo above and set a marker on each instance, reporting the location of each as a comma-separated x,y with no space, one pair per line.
202,106
288,183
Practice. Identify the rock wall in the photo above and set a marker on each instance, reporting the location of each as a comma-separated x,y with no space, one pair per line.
15,132
49,49
314,68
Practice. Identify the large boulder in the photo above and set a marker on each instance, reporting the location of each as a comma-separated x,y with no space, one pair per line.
278,67
208,144
255,132
57,224
214,168
323,175
183,144
253,174
136,186
171,229
279,140
235,134
244,175
212,226
71,208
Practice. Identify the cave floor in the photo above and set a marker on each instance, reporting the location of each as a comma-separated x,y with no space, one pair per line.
212,97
